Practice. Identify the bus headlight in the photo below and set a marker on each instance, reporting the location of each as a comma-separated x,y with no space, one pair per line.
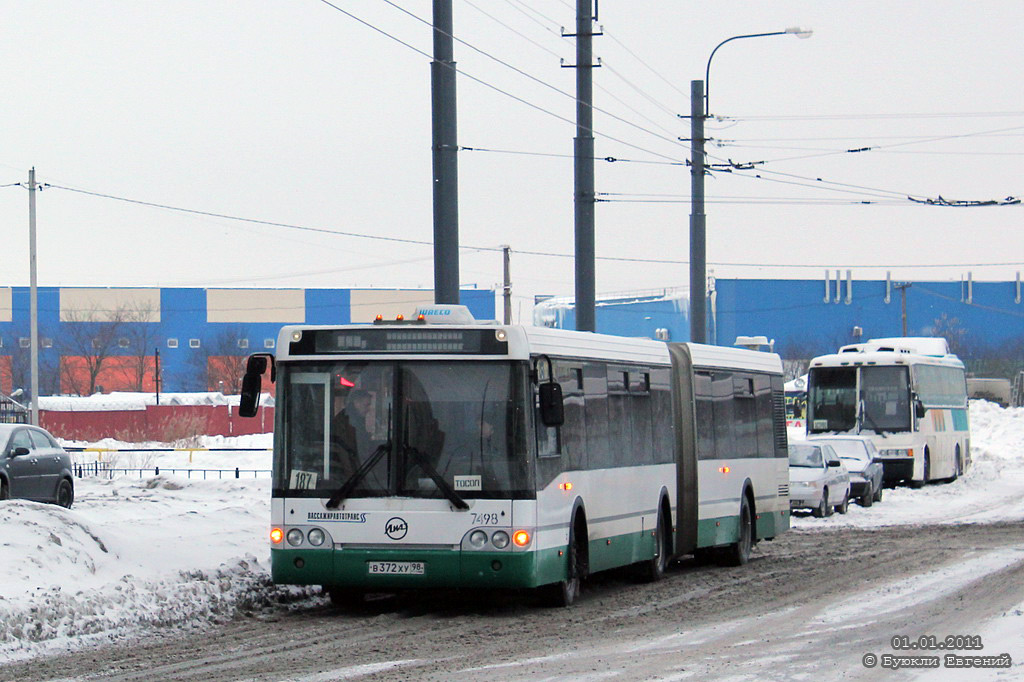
500,539
478,539
316,537
294,537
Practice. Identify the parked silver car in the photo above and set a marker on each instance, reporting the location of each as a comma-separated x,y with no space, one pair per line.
817,479
33,466
862,459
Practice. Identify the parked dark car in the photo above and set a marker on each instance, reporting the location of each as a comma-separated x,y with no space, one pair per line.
861,458
33,466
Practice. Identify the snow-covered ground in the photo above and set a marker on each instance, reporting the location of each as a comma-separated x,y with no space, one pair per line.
135,554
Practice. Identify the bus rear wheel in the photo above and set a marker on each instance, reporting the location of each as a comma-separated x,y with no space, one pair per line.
738,553
654,568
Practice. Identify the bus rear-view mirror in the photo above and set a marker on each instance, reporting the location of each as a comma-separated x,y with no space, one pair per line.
552,410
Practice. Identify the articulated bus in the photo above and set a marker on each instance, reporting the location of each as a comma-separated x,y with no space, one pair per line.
451,453
908,394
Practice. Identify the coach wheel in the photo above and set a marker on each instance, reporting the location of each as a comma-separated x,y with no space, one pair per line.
958,465
927,471
738,553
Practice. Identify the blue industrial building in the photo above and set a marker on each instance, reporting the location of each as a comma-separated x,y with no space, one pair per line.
201,335
811,317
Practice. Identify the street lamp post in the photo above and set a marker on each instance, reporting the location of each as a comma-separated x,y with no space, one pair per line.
699,110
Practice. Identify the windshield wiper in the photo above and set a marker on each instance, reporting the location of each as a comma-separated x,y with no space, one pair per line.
358,476
442,484
865,416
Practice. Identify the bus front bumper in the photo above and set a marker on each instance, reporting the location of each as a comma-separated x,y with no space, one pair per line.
896,470
440,568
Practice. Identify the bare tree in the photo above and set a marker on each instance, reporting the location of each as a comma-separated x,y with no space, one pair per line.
220,364
88,340
141,333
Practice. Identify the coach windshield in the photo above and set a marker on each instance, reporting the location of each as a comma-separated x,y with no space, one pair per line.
452,430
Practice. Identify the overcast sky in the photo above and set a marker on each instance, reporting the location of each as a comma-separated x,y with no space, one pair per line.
295,113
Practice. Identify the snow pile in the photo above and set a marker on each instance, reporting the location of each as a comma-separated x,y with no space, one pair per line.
132,555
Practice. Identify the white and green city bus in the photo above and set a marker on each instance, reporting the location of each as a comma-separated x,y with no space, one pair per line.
433,454
908,394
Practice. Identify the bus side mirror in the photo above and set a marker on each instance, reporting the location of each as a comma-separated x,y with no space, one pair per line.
252,383
918,408
552,409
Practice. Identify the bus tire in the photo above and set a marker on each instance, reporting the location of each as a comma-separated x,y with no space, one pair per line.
654,568
738,553
345,597
564,592
957,465
927,471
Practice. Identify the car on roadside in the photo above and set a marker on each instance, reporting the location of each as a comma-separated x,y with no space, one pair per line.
862,459
33,466
817,479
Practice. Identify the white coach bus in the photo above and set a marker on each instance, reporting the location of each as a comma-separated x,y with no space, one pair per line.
433,454
908,394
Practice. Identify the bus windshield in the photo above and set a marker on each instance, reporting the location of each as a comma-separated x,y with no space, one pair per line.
832,399
884,399
415,429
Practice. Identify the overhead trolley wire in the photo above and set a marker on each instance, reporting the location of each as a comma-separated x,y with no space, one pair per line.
667,261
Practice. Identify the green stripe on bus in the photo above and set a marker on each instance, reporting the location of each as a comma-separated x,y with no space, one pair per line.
724,530
960,422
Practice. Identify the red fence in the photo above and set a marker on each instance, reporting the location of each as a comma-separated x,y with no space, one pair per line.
164,423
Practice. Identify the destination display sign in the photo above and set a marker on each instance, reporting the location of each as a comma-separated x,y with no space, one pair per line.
414,339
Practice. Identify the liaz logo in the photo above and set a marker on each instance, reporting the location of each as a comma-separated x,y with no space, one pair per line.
396,528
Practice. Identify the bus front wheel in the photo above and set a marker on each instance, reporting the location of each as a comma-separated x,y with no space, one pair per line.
345,597
564,592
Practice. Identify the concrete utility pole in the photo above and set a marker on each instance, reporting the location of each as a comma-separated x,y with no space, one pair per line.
445,157
698,221
507,286
33,297
583,155
903,302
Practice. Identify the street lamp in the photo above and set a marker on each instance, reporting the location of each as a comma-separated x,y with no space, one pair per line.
699,110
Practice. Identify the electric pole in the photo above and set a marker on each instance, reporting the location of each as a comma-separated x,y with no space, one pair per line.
33,297
445,157
903,302
698,221
507,285
583,164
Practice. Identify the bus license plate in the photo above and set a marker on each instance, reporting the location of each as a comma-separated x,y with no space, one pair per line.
396,567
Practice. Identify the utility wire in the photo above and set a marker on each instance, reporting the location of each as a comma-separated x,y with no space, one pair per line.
855,117
666,261
531,77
